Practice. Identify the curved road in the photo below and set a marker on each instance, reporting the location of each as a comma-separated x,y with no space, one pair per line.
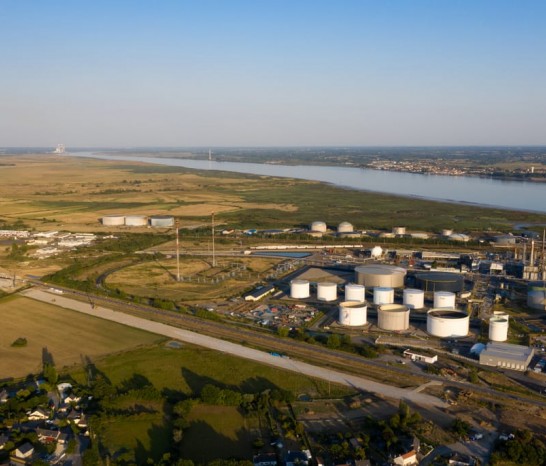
235,349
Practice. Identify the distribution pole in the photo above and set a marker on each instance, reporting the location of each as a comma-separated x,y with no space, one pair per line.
213,251
177,254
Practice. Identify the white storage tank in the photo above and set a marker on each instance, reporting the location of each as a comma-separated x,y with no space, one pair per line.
353,313
380,275
399,230
376,252
161,221
447,323
393,317
318,226
299,289
345,227
354,292
113,220
447,232
414,299
498,328
327,291
383,295
444,299
136,220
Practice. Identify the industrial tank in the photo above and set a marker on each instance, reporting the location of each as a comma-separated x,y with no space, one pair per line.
354,292
345,227
447,323
414,299
393,317
439,281
444,299
161,221
327,291
353,313
498,328
113,220
299,289
383,295
136,220
380,275
447,232
318,226
399,230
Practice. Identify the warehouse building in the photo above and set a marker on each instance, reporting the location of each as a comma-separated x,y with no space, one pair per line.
506,356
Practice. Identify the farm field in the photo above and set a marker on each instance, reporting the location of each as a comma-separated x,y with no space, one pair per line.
61,334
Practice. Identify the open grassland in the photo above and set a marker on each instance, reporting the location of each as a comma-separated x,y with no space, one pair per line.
189,369
221,426
200,280
65,335
50,192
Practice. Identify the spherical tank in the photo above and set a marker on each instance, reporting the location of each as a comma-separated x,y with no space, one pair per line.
161,221
345,227
136,220
394,317
383,295
377,251
354,292
414,299
447,323
318,226
498,329
299,289
380,275
439,281
113,220
327,291
399,230
353,313
444,299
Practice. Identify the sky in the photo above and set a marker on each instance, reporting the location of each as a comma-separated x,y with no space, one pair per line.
116,73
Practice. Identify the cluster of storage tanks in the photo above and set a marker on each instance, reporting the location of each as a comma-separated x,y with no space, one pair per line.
443,320
156,221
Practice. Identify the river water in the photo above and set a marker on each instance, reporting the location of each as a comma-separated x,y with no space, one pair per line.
515,195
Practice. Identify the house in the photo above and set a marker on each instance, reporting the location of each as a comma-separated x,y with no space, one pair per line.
47,436
72,399
26,450
265,459
460,460
3,440
407,459
38,415
4,395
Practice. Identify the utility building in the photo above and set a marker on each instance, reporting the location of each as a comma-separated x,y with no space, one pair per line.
506,356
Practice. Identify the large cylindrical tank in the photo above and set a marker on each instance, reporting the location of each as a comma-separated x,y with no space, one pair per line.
136,220
327,291
113,220
162,221
394,317
498,329
399,230
444,299
345,227
439,281
318,226
383,295
354,292
353,313
299,289
380,275
414,299
447,323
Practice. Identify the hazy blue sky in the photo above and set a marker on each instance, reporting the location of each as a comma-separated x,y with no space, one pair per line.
256,72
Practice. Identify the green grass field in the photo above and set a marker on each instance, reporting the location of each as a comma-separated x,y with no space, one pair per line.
65,335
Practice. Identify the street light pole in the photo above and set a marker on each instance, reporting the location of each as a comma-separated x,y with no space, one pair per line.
213,249
177,254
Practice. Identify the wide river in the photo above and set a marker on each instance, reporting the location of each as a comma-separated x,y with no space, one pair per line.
515,195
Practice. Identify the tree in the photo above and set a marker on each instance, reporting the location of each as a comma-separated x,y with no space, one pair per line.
283,332
50,373
333,341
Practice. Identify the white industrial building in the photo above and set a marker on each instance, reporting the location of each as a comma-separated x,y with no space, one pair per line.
506,356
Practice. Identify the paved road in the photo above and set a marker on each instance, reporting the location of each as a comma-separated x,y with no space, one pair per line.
236,350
